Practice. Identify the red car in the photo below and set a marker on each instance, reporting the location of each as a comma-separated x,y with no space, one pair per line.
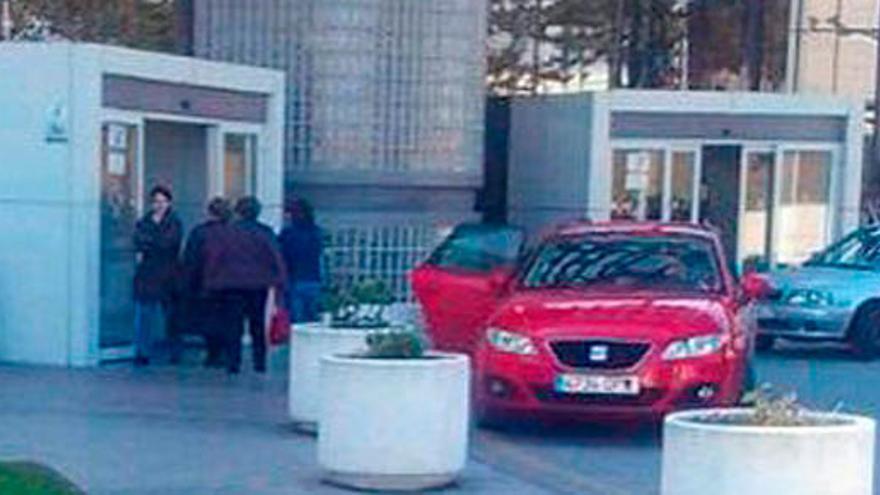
600,321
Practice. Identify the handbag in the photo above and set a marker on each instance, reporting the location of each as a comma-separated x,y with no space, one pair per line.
279,322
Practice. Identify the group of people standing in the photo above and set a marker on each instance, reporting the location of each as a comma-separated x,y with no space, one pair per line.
222,280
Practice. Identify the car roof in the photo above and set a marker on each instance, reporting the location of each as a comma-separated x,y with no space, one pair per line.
630,227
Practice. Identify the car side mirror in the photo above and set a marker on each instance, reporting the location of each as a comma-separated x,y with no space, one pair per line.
755,287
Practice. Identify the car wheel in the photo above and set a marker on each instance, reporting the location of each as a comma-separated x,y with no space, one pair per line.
865,334
764,343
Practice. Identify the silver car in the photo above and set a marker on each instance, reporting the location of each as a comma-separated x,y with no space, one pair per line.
835,296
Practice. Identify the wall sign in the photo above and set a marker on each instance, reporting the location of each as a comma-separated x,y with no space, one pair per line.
56,123
117,137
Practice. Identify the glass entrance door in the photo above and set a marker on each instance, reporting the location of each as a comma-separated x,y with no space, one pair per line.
119,211
785,212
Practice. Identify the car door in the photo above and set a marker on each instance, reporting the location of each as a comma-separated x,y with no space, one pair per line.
461,282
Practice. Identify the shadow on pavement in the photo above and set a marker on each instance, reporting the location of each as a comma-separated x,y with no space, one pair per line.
810,351
633,434
575,458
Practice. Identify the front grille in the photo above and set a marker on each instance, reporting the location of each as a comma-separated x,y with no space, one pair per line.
599,354
647,397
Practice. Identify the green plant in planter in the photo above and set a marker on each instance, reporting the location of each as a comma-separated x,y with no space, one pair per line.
361,306
766,406
396,343
773,408
338,304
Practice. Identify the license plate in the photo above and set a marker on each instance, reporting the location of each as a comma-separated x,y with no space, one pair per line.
597,384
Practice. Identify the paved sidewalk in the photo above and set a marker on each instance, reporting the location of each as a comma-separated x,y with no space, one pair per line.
173,431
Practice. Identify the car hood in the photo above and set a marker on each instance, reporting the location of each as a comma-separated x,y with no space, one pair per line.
843,283
550,314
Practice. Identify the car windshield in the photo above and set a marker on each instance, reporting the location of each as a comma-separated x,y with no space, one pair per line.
860,250
669,263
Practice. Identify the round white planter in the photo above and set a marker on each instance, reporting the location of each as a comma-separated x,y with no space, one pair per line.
699,458
308,344
389,424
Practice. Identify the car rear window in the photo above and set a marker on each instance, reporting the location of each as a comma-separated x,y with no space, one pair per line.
660,263
478,248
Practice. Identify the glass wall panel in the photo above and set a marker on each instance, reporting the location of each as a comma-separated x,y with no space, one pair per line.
682,195
804,206
757,210
239,165
637,185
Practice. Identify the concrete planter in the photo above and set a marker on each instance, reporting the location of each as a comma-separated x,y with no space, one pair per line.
390,424
834,458
308,344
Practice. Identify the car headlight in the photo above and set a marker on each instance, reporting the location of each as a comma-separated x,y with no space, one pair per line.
693,347
810,298
513,343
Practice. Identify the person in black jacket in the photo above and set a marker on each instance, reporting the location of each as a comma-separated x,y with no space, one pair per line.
157,240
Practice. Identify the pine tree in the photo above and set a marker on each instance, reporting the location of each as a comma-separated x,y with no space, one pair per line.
744,41
640,41
535,41
146,24
511,23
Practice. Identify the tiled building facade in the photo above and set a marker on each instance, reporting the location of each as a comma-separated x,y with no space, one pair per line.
384,114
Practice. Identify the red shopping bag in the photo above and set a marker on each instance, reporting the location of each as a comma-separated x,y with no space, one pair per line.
279,322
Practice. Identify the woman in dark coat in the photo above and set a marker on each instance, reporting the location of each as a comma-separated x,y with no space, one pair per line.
157,239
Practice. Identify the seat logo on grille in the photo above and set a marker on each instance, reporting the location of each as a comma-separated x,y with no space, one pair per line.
598,353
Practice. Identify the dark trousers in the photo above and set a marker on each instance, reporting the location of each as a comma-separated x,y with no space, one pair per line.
229,311
217,313
253,314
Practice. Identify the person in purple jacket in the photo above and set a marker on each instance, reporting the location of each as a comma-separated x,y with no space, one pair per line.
227,264
255,298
